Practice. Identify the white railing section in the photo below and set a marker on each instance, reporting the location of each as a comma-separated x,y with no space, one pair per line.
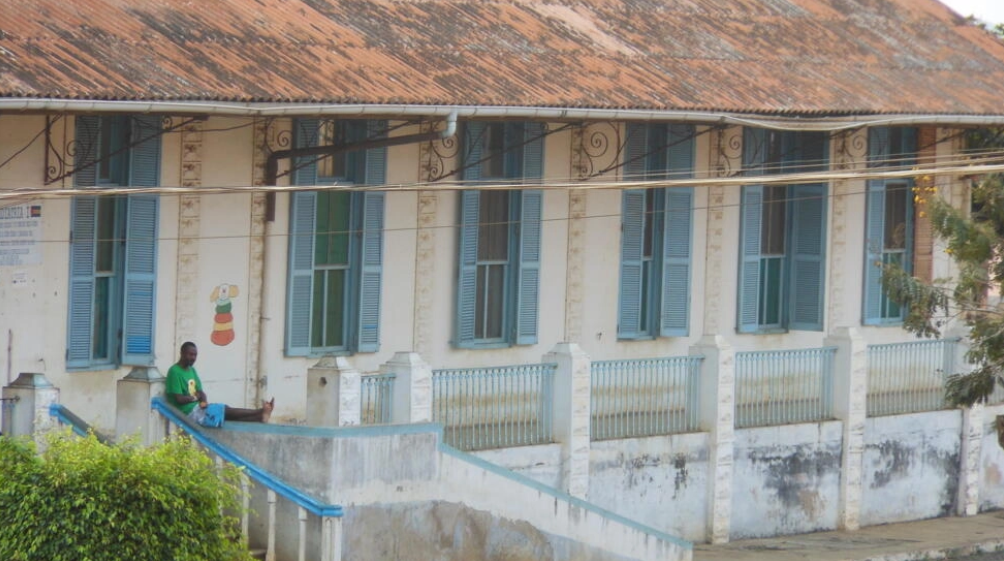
909,377
330,515
377,395
482,408
644,397
783,387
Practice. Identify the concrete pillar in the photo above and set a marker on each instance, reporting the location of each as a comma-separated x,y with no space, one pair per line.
32,394
333,393
850,401
571,415
971,445
717,411
133,413
412,399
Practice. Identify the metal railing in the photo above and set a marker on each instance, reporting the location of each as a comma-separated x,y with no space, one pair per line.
377,399
79,426
330,515
645,397
482,408
909,377
783,387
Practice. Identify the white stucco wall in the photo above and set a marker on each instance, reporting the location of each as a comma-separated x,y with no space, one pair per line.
911,466
786,479
991,474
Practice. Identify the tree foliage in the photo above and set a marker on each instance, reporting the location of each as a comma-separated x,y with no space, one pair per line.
975,241
82,500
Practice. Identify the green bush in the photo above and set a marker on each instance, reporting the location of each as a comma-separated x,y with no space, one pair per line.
81,500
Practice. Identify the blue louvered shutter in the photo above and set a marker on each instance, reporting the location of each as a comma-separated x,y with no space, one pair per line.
85,151
144,157
808,263
749,265
635,152
474,133
370,276
874,243
632,245
680,154
376,158
468,270
675,316
305,172
82,247
140,295
533,153
300,283
528,289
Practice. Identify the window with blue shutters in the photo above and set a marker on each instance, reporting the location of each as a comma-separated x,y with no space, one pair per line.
336,241
888,220
499,262
113,243
782,234
656,231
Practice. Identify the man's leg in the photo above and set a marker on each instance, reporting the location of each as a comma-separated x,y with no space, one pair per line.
250,415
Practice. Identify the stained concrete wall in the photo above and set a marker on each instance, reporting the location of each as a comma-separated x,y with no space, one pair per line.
991,470
392,474
662,480
911,467
786,479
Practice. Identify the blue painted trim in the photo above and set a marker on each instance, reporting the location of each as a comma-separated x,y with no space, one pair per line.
251,469
574,501
59,412
365,431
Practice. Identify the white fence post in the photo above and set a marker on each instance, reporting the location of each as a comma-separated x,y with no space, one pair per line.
717,406
850,406
331,536
412,399
333,393
133,412
968,502
571,414
30,415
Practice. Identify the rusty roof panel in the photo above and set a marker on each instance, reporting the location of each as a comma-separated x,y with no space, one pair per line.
768,56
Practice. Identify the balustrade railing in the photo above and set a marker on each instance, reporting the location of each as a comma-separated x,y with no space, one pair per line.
482,408
909,377
783,387
377,395
644,397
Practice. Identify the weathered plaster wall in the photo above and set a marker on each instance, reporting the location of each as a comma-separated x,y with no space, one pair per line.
786,479
991,474
911,467
540,463
661,480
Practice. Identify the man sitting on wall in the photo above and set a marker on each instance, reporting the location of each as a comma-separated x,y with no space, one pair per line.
184,391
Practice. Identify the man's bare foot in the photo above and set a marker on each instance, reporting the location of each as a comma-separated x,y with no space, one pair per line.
266,410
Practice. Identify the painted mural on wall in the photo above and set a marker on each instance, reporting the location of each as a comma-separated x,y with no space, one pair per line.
223,321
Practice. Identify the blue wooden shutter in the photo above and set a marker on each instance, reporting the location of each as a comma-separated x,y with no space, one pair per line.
300,284
85,151
140,279
468,268
632,245
808,248
376,158
749,265
144,157
474,133
680,154
636,152
527,299
533,153
82,247
306,131
874,243
370,276
675,316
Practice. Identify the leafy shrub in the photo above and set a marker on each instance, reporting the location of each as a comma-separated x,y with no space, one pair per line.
81,500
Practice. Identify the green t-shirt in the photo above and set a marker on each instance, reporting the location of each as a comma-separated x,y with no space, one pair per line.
184,381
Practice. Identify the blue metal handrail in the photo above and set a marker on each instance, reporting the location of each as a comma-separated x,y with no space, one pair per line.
79,426
253,471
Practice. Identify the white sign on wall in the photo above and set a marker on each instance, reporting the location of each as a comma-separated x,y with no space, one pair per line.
20,235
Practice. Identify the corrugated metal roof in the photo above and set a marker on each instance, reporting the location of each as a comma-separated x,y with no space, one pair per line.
767,56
